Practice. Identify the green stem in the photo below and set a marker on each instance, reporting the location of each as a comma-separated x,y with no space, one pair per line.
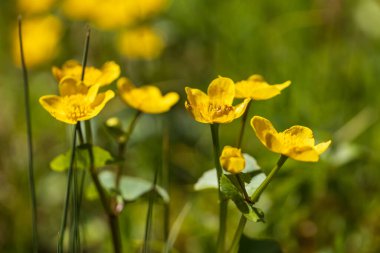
148,226
123,145
239,231
29,140
254,199
165,180
256,195
112,218
67,198
222,200
243,121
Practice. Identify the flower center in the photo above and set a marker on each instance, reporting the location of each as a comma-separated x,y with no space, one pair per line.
77,106
220,110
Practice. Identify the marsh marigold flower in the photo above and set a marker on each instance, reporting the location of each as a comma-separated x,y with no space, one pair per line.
40,40
147,99
103,76
77,102
140,43
232,159
296,142
257,88
216,106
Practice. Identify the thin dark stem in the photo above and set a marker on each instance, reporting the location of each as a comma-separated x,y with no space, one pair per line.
222,200
148,226
165,180
243,122
67,198
112,218
29,140
85,55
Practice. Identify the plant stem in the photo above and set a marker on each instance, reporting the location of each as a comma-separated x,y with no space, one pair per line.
148,226
238,233
29,140
256,195
241,183
243,121
165,179
67,198
254,199
222,200
123,145
112,218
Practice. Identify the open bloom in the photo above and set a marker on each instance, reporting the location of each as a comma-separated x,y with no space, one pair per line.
76,102
103,76
147,99
296,142
216,106
257,88
232,160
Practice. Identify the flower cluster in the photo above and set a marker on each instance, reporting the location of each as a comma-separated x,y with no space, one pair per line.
79,98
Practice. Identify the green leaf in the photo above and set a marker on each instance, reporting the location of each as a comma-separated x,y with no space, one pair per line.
131,188
62,162
230,191
258,245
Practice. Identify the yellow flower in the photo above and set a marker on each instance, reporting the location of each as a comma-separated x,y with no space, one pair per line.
258,89
76,102
34,6
232,160
40,40
140,43
147,99
216,106
106,75
296,142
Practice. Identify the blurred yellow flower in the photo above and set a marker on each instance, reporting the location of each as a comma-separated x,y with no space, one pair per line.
147,99
140,43
34,6
258,89
76,102
103,76
146,8
216,106
40,40
232,160
112,14
296,142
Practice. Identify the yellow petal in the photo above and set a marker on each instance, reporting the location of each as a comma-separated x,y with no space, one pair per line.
71,86
110,71
98,104
53,104
298,136
267,134
257,88
240,108
321,147
221,91
197,104
302,153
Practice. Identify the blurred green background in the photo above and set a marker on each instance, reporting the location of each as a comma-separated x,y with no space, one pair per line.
330,50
